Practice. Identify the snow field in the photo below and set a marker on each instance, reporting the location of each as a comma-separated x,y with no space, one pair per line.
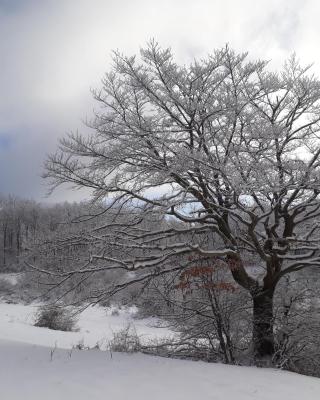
41,364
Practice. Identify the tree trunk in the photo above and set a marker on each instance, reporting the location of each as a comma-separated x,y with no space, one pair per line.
263,338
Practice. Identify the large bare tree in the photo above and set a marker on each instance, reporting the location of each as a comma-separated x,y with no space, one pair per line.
223,145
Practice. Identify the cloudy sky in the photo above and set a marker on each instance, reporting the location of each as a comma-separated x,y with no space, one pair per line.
53,51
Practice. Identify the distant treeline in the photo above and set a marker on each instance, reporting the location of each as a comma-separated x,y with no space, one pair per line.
24,223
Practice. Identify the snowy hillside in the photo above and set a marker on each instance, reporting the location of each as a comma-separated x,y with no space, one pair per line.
27,372
96,325
38,364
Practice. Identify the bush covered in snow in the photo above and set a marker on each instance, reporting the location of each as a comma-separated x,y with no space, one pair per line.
56,318
126,340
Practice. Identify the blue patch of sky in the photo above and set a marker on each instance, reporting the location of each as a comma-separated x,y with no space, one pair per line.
11,6
5,141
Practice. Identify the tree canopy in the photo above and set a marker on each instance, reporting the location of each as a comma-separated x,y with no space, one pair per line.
224,146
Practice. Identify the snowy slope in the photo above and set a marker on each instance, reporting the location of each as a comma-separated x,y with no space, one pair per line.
39,364
27,372
96,325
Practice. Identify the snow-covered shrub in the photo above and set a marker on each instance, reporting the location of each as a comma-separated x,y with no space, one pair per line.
125,340
209,313
56,318
115,312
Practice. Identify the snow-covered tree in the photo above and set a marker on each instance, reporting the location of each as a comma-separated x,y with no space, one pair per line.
225,147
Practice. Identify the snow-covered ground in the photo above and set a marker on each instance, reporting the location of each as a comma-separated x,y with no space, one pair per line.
32,372
96,325
38,364
12,278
